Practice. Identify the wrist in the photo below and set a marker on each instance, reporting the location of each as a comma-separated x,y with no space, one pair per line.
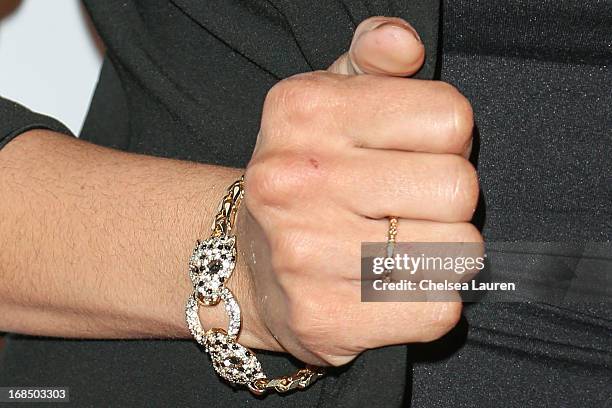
211,266
253,332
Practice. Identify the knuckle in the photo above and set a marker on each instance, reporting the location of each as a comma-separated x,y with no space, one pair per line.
463,187
257,185
300,98
470,187
444,316
464,117
275,179
461,119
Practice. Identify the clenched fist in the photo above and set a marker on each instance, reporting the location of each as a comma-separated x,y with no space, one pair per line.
338,152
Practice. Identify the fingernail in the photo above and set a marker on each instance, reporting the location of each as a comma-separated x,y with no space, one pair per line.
400,24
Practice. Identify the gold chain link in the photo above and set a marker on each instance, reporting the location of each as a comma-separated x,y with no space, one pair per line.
226,213
299,380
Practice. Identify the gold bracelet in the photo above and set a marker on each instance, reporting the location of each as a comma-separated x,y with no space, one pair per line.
210,266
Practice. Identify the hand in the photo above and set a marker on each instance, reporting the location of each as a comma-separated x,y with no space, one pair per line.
336,154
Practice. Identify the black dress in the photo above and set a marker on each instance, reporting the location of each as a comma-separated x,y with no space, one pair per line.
187,78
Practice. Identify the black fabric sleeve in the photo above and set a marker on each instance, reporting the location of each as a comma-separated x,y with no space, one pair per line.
16,119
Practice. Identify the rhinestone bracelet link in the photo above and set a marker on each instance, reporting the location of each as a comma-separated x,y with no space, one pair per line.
210,266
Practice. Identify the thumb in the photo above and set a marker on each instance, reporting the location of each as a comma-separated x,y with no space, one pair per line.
382,46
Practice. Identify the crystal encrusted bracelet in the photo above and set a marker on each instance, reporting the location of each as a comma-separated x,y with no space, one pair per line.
210,266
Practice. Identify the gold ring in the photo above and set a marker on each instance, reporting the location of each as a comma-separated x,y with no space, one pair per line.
391,239
392,230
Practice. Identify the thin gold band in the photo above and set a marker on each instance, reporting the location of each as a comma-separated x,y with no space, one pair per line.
392,234
390,249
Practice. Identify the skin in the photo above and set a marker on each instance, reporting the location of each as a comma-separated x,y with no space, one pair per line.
95,241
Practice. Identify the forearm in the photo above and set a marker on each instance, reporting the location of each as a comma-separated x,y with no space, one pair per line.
95,242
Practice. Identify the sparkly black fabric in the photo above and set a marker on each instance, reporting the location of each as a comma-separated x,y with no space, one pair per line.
186,79
539,77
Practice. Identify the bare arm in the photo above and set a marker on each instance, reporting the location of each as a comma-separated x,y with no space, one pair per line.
95,241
